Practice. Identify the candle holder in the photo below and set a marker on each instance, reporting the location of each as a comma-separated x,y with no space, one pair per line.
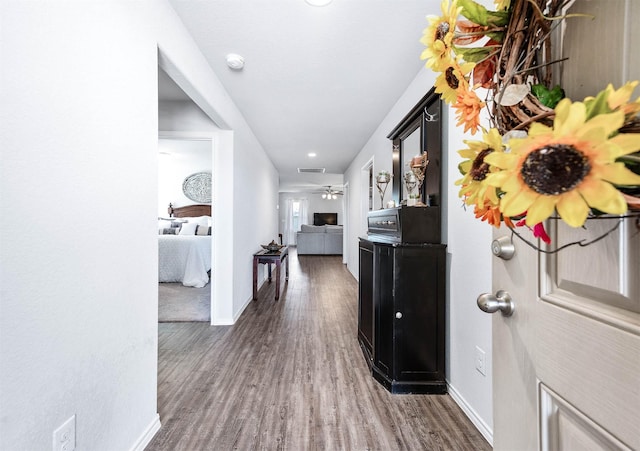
382,181
411,182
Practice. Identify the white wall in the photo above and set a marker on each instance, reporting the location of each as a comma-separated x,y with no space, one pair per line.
469,261
78,322
468,255
178,159
319,205
255,218
180,116
79,299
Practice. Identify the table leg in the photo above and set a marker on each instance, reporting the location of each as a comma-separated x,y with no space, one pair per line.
269,266
255,278
277,279
286,267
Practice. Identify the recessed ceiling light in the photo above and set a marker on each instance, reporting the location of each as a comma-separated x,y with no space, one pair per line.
311,154
318,2
235,61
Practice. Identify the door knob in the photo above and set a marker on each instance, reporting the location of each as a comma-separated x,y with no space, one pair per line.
503,247
501,301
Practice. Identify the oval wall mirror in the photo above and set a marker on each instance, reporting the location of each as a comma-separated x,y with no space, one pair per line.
197,187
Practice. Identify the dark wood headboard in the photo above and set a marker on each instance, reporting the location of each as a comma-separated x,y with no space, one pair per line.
189,211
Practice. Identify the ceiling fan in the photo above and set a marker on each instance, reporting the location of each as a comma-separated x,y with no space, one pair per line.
329,193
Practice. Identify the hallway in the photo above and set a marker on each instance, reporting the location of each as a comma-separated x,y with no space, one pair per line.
290,375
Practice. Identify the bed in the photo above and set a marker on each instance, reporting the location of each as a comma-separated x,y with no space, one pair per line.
184,245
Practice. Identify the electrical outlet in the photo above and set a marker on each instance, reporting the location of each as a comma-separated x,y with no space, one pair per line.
64,438
480,361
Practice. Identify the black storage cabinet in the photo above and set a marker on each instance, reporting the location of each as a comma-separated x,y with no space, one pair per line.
401,312
365,296
408,303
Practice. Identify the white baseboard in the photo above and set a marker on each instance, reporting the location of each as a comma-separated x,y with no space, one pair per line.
248,301
147,435
478,422
230,321
244,306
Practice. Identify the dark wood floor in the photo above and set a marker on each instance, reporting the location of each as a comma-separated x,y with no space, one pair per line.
289,375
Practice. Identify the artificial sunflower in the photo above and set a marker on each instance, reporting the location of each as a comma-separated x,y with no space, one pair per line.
614,99
437,37
492,214
453,80
474,189
468,106
570,168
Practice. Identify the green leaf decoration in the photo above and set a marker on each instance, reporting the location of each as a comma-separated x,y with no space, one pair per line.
473,54
460,168
480,15
598,105
539,90
497,36
498,18
547,97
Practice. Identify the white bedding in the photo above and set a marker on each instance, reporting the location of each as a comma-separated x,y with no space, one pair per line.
184,258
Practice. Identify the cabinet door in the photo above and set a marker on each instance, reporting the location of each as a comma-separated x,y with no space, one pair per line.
365,298
383,307
419,300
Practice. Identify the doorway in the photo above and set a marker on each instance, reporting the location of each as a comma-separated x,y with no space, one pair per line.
184,261
201,122
366,177
346,207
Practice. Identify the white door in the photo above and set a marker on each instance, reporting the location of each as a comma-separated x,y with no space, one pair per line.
566,363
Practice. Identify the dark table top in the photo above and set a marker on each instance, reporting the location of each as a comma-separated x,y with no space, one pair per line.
267,253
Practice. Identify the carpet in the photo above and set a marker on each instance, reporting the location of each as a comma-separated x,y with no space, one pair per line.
177,303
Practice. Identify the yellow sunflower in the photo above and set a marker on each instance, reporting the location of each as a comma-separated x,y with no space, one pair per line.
611,99
468,106
453,80
619,98
437,37
569,168
475,168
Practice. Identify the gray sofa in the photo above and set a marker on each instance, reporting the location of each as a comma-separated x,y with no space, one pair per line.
319,240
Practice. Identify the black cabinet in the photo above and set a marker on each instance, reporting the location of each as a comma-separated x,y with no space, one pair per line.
365,306
401,312
408,323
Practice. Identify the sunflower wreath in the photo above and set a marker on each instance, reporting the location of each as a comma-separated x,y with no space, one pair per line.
544,156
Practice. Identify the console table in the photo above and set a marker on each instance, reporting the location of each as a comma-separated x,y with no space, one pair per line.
268,258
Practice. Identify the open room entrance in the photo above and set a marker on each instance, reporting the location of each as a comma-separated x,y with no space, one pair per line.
347,209
184,241
367,199
189,142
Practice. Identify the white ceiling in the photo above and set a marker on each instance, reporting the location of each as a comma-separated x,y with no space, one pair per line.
316,79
